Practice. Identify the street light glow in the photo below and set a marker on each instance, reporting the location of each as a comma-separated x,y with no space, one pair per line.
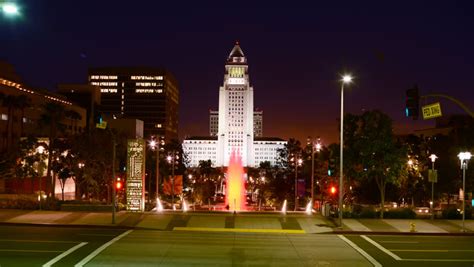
347,78
433,157
464,156
10,9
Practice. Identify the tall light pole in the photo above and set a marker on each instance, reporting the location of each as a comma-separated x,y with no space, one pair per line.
314,146
297,161
40,149
172,160
464,157
346,79
433,158
156,146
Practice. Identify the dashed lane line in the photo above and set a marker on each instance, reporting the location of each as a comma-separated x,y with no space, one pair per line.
100,249
361,251
388,252
64,254
31,250
35,241
240,230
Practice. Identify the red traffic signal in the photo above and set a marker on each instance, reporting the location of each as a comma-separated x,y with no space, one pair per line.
118,184
332,190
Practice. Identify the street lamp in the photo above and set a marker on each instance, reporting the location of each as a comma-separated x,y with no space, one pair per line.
172,160
346,79
433,158
40,149
464,157
156,146
10,9
316,147
298,162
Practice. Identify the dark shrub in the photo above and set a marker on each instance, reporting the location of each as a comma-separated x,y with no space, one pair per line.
452,213
401,213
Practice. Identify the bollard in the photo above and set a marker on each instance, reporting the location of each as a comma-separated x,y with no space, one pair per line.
412,227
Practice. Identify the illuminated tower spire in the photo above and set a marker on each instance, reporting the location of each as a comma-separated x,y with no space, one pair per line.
235,131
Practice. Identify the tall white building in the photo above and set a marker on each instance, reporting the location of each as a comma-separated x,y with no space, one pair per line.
257,122
235,122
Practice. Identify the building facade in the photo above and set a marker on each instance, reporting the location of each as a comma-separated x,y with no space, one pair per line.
22,108
257,122
147,94
236,126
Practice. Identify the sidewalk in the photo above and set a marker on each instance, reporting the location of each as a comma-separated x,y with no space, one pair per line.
228,222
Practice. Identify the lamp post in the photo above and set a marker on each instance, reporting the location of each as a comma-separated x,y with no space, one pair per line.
464,157
172,160
40,149
314,146
298,161
156,146
346,79
433,158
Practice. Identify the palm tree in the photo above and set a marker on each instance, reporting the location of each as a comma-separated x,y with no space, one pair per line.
51,118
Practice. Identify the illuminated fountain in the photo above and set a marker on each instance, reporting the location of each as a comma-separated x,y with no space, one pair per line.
235,185
283,209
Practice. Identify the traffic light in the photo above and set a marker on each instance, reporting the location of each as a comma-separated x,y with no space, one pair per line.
332,190
331,167
412,102
118,184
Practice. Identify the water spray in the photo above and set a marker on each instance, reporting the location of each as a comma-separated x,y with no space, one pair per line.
283,209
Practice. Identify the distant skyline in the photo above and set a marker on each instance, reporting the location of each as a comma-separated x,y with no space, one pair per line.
295,54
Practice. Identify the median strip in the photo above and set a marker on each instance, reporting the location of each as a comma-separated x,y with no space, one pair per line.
239,230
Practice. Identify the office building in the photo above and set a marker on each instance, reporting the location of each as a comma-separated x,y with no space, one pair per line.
144,93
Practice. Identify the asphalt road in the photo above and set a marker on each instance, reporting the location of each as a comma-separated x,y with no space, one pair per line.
37,245
68,246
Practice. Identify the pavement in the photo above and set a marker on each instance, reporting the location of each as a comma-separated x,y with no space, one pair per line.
291,223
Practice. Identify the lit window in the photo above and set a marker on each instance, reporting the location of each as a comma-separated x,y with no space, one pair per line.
108,90
158,125
4,117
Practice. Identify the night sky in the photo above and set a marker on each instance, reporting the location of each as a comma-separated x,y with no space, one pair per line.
296,53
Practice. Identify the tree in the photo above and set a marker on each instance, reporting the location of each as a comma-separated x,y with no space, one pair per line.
51,119
31,163
372,151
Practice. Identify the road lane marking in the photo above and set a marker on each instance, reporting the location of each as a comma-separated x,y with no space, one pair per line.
35,241
100,249
388,252
421,250
442,260
32,250
400,242
97,234
239,230
64,254
361,251
433,250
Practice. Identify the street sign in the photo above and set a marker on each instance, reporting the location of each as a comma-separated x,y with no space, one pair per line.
431,111
102,125
433,176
